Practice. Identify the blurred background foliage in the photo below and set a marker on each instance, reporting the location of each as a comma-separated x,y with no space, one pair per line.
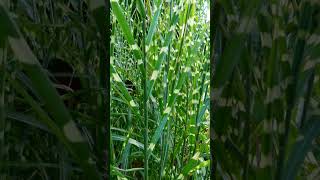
266,89
53,89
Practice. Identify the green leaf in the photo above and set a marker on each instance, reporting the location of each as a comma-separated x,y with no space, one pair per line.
27,119
154,24
301,148
141,8
119,14
131,141
230,58
7,27
193,165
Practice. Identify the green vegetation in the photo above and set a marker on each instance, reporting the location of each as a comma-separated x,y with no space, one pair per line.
57,105
160,128
266,89
42,135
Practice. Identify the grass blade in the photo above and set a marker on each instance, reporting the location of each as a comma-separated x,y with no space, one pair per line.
301,148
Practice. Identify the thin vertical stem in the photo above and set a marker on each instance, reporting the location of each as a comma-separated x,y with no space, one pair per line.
307,99
145,99
198,109
247,127
165,95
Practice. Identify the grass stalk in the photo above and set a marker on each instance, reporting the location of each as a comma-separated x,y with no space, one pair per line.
307,99
247,127
145,98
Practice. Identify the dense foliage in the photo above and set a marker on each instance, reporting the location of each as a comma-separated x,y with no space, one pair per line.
266,89
49,47
160,129
55,95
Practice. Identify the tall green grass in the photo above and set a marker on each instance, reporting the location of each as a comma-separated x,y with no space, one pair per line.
161,130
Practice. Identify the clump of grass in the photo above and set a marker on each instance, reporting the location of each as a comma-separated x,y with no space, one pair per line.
162,128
